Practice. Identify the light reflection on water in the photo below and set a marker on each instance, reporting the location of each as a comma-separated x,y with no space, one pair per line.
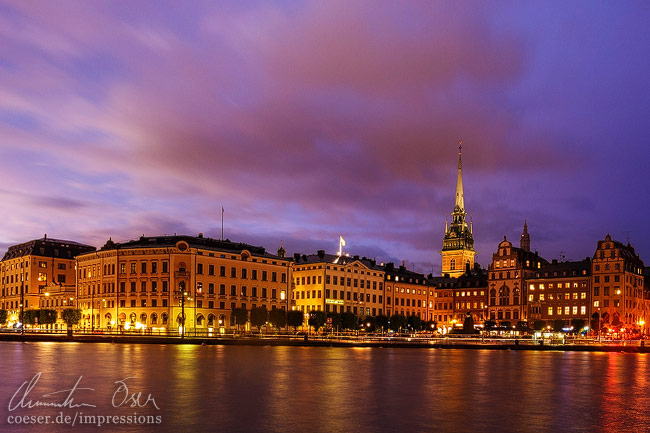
249,389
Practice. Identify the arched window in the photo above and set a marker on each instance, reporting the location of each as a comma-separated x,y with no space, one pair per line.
222,320
154,318
143,318
211,320
132,317
200,319
504,295
515,299
164,317
452,264
493,297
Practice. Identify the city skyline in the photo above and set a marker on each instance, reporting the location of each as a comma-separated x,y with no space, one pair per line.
309,121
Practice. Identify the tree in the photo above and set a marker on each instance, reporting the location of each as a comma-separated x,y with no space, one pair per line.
397,322
414,322
30,316
539,325
240,316
3,317
558,324
259,316
317,319
294,318
522,326
71,316
595,321
47,317
381,322
368,324
468,324
349,320
278,317
577,324
335,321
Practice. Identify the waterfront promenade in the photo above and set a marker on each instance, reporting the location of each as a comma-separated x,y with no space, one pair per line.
257,339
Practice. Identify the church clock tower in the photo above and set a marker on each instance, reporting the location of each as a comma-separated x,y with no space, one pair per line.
458,244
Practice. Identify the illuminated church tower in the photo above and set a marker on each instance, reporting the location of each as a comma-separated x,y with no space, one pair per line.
458,244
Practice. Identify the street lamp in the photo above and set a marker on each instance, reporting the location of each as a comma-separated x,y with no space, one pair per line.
22,303
183,295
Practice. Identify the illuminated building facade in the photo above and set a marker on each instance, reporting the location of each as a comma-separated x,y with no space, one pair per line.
560,291
29,267
470,296
458,244
149,282
507,275
338,283
442,300
618,286
406,292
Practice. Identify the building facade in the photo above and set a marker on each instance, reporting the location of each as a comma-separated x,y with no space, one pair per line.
406,292
560,291
151,282
618,286
26,270
337,284
511,267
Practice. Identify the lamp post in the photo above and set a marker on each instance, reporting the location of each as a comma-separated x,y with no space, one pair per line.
22,303
92,309
183,295
598,324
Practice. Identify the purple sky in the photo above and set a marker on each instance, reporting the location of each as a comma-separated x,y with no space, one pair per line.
310,120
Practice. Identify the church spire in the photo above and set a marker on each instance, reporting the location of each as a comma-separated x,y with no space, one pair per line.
458,243
524,242
460,200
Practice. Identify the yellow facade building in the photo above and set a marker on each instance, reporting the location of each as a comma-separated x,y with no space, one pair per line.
26,269
333,283
150,282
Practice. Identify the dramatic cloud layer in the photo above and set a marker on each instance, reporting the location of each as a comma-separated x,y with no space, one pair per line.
310,120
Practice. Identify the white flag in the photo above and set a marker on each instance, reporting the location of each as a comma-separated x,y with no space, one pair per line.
341,241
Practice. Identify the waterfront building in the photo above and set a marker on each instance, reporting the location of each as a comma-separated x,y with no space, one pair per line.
58,297
337,284
470,296
458,243
29,267
406,292
560,291
442,301
618,286
150,282
507,275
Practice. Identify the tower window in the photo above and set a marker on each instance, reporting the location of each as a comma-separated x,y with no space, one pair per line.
452,264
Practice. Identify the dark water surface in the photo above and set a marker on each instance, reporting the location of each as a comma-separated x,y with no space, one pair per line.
310,389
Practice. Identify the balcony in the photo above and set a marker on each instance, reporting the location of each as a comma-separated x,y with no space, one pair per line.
181,274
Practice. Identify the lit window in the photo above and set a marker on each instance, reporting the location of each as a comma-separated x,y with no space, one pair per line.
559,310
532,287
541,296
596,304
541,287
550,311
575,310
567,310
583,295
583,310
531,298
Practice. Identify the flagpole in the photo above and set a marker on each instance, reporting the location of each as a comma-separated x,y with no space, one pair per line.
221,223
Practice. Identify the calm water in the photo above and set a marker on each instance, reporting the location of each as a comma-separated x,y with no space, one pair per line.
295,389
